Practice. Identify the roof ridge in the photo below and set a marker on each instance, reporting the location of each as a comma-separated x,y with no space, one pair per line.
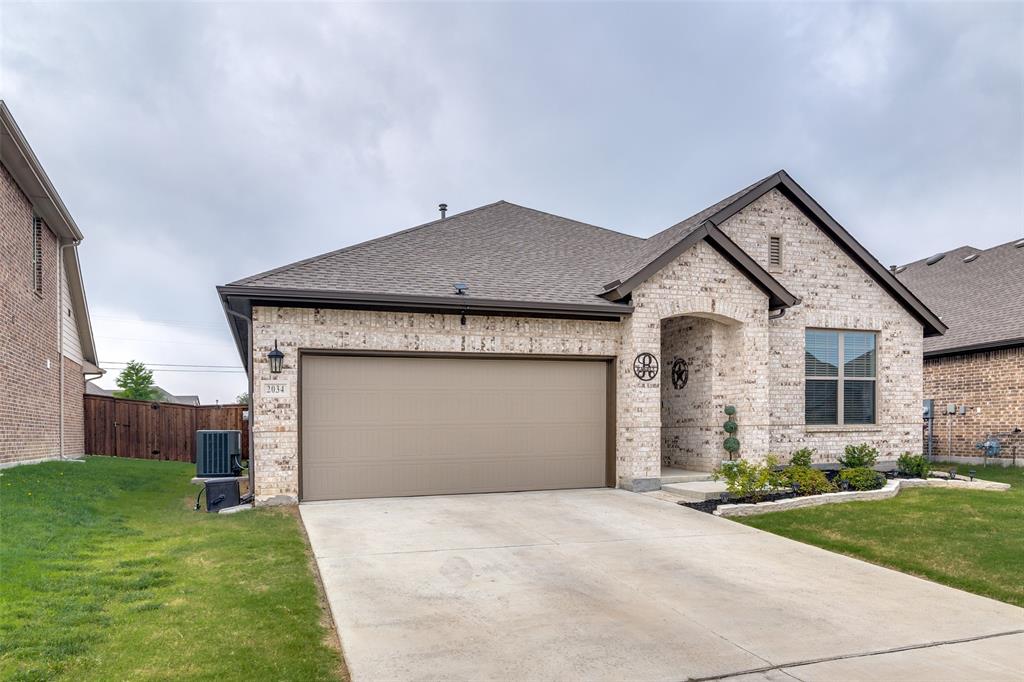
571,220
351,247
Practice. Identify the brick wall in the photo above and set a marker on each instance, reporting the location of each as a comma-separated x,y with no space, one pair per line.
991,385
275,425
836,293
29,389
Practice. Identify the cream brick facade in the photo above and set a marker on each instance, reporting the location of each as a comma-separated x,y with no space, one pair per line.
698,306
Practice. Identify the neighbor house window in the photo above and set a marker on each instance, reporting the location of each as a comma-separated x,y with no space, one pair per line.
840,377
37,255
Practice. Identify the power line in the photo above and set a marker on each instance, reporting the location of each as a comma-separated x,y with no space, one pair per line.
168,323
174,341
193,371
169,364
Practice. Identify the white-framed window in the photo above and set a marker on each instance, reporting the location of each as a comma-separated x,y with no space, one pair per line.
840,377
37,255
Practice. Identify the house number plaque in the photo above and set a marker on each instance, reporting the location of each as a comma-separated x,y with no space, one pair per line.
276,389
645,366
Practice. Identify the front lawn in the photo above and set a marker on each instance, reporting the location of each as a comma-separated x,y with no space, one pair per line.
969,539
106,573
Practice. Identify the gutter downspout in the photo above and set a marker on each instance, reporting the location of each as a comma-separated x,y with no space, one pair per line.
252,405
60,335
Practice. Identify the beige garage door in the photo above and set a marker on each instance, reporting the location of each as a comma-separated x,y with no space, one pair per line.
392,426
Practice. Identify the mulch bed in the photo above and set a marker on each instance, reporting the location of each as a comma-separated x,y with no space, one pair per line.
831,471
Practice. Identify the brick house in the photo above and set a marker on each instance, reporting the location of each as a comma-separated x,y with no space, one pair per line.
46,343
504,348
978,366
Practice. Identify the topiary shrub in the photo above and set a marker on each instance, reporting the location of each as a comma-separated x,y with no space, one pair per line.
731,445
730,426
857,456
861,478
914,466
730,410
807,481
803,457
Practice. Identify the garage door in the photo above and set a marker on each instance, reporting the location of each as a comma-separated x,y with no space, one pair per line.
391,426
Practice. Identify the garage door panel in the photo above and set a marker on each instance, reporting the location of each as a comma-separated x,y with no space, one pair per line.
387,426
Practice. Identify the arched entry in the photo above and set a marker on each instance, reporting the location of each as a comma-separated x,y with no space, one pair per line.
703,357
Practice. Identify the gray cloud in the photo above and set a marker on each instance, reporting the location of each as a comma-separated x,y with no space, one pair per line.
197,143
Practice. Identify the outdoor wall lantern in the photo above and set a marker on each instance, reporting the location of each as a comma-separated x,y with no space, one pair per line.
276,358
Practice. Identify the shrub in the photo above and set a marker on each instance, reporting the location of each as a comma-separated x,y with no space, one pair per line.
730,426
862,478
731,444
916,466
858,456
803,457
746,479
730,410
808,481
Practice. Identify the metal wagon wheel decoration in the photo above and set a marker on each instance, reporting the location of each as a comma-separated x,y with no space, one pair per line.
680,373
645,366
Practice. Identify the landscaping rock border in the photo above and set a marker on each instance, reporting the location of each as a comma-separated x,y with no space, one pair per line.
890,489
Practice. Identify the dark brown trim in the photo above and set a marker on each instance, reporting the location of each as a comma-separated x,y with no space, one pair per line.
933,326
974,348
464,355
778,295
610,432
610,404
451,304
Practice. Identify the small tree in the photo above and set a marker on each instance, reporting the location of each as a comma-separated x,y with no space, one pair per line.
136,383
242,398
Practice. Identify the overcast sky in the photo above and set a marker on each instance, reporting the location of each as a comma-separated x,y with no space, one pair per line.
199,143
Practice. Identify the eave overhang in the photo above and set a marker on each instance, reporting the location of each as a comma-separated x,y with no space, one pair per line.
19,159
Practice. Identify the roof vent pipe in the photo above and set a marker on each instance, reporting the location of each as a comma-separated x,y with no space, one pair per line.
443,208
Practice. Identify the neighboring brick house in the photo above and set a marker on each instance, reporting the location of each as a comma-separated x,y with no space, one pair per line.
506,348
978,366
46,343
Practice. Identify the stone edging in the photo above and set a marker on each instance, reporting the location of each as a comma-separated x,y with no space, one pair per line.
890,489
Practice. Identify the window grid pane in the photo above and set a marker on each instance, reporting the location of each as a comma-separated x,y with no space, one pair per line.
821,401
858,402
821,354
858,354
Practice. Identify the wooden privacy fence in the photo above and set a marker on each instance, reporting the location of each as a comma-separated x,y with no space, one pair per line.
148,430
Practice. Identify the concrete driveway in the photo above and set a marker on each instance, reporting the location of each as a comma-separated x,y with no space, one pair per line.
607,584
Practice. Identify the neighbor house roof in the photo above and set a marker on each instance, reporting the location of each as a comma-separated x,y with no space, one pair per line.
976,292
19,159
162,395
519,260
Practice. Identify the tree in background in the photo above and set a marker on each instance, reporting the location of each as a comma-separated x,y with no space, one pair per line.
136,383
242,398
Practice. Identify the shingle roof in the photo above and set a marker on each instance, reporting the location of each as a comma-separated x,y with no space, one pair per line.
979,300
657,244
501,250
518,260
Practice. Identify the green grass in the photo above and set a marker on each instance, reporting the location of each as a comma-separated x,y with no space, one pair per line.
107,573
972,540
